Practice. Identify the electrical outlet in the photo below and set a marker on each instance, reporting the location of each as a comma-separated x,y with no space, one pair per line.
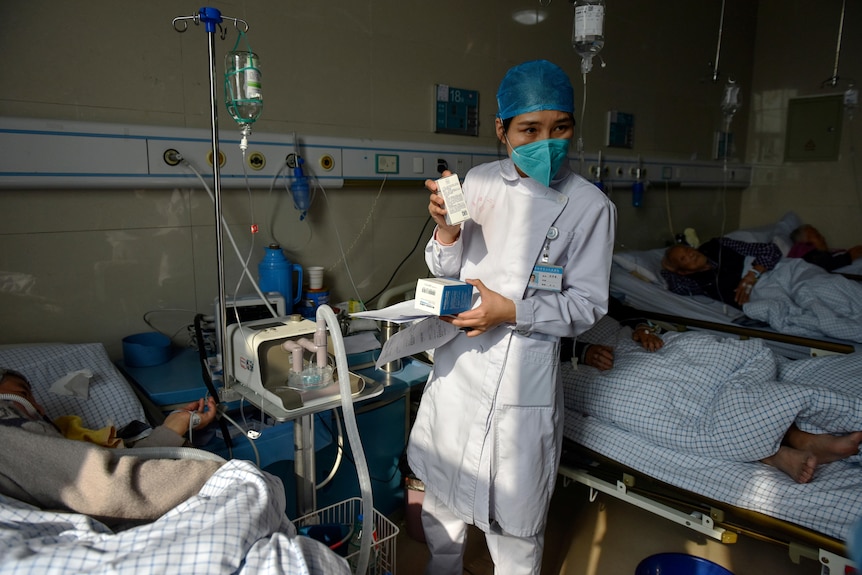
386,163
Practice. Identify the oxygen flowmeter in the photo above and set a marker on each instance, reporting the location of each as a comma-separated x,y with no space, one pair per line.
242,88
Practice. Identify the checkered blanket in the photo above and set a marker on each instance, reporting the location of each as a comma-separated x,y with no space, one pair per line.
236,524
703,410
799,298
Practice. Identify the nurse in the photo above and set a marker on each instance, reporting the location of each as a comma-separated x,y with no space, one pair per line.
537,248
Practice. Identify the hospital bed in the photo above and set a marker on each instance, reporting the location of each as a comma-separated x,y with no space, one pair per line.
636,281
236,524
716,498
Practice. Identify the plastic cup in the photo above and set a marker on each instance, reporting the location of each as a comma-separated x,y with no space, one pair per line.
315,277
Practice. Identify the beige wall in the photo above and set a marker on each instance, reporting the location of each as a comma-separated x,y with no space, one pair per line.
795,53
89,265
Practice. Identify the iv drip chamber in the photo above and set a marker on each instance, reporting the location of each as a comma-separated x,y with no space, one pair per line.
588,37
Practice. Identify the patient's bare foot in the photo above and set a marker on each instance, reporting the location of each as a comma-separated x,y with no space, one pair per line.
798,464
825,447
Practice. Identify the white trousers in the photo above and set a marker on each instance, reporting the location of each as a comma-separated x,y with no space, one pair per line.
446,535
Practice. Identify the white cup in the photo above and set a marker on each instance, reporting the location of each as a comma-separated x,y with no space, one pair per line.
315,277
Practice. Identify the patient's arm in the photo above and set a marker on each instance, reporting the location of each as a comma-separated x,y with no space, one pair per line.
53,472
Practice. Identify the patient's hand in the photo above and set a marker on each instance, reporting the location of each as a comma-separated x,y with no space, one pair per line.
647,338
178,421
743,291
600,357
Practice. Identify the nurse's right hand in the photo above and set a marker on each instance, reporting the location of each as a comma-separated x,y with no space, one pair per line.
446,234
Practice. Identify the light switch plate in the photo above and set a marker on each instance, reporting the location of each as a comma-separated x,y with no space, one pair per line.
386,164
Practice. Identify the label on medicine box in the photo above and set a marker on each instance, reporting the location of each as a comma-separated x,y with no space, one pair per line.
442,296
456,206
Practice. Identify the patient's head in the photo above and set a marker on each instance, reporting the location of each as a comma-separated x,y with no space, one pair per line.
681,259
808,234
14,383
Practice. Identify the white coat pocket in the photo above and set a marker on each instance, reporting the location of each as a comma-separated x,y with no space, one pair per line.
530,376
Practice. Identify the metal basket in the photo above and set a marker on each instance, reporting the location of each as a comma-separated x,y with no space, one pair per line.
345,513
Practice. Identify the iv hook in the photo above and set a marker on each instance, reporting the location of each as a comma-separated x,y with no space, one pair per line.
180,23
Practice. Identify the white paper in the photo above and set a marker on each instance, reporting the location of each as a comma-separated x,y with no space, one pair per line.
401,312
429,333
364,341
74,383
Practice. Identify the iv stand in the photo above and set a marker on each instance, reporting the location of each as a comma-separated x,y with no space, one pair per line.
212,18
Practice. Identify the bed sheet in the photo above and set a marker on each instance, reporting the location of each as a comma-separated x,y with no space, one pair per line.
236,524
830,504
110,401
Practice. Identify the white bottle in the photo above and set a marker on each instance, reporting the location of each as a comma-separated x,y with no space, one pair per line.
588,36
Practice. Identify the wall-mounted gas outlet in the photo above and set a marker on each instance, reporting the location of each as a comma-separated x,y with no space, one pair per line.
256,161
172,157
327,162
222,159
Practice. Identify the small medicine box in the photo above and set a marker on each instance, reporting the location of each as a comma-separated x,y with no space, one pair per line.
442,296
456,206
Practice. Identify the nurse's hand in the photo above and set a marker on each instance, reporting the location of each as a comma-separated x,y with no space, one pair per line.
446,234
491,312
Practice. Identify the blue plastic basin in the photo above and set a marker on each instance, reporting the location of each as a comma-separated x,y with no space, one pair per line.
146,349
679,564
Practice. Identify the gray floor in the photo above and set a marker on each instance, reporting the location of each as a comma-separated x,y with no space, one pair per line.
609,537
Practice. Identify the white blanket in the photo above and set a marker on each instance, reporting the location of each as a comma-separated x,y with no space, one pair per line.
799,298
236,524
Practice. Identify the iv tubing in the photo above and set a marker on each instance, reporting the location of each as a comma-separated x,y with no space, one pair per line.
325,314
233,243
250,440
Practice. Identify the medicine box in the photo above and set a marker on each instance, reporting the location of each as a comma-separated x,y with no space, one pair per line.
442,296
456,206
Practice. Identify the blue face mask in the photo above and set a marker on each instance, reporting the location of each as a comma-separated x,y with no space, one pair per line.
541,160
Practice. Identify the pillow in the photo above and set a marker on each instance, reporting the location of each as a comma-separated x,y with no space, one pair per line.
784,244
111,401
768,233
645,265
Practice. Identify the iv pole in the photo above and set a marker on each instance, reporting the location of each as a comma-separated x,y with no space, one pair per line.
212,18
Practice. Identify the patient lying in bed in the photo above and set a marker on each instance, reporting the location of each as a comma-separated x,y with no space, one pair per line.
727,399
40,466
197,515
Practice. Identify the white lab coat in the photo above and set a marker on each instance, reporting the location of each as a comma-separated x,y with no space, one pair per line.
488,432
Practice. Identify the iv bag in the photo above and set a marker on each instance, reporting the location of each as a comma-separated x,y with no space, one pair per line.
588,37
242,93
730,100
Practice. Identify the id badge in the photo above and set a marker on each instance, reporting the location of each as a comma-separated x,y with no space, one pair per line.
547,278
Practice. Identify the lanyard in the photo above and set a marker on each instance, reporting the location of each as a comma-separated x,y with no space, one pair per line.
553,233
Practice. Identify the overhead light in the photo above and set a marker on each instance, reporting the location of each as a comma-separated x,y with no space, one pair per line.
529,17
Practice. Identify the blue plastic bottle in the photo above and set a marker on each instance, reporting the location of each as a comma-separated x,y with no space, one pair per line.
276,273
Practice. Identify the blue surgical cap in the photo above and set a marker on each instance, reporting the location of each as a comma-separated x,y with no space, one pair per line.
532,87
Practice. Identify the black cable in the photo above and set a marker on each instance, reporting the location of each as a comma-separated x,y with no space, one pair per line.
205,374
403,261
